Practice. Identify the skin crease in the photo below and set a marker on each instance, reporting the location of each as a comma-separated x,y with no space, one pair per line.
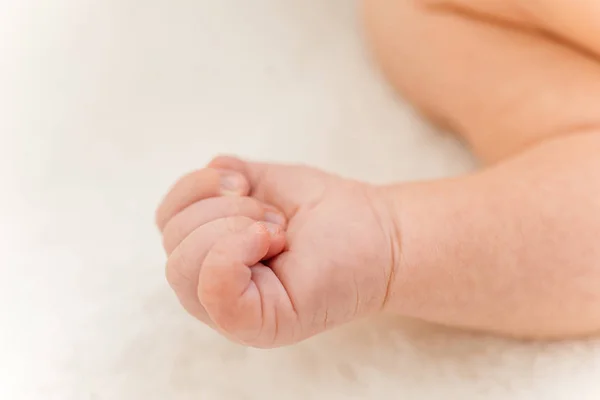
510,249
335,266
270,255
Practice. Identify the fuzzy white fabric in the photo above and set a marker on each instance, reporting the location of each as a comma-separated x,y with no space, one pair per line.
104,103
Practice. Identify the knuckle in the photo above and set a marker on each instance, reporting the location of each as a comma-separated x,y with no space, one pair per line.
225,321
234,224
172,231
219,253
229,321
179,270
184,189
235,206
231,224
246,207
173,273
192,176
225,160
158,216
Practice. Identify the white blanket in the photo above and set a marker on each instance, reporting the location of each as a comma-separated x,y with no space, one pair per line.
104,103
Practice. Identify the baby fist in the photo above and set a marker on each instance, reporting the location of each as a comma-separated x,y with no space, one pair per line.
294,251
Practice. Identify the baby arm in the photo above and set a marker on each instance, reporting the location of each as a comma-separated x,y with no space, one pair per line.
513,248
510,249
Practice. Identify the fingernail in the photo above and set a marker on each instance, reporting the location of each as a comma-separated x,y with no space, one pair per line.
232,184
274,217
272,228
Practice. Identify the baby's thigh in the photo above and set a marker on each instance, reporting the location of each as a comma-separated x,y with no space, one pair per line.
500,84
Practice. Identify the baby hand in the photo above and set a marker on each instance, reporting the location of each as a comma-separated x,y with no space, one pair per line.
270,255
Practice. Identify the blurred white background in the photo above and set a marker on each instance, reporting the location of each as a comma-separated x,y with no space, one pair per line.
104,103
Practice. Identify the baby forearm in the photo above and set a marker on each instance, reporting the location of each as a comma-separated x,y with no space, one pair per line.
512,249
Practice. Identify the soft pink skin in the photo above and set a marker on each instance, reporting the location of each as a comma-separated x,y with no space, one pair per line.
335,267
511,249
